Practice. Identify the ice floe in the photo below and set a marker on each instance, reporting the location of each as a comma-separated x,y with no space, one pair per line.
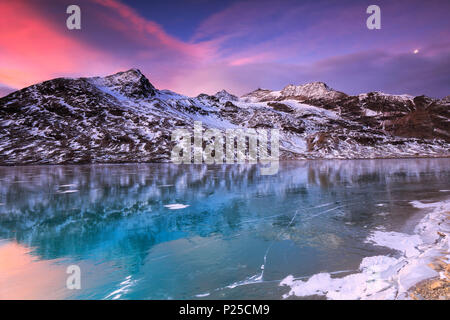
68,191
202,295
176,206
398,241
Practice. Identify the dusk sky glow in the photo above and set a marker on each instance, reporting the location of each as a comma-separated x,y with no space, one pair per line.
200,46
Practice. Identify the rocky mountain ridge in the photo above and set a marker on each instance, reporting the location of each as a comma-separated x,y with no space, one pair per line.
124,118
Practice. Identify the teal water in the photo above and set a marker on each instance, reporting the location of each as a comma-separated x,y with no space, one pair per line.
113,222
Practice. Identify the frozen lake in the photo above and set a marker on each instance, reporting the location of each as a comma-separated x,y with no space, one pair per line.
164,231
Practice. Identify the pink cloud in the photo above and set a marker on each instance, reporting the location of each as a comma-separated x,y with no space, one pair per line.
32,49
257,58
143,30
35,47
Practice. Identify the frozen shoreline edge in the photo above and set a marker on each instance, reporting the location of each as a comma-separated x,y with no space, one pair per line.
385,277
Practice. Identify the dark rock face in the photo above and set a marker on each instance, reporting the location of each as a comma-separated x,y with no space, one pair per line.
280,107
124,118
131,83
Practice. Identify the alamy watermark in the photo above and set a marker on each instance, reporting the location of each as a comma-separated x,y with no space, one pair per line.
233,146
73,281
73,22
374,20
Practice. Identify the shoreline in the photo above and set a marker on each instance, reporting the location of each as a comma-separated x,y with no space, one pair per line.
414,273
83,163
437,288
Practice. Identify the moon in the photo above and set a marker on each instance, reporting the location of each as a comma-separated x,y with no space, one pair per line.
416,51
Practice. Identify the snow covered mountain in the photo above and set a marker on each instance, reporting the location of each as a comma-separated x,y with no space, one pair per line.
124,118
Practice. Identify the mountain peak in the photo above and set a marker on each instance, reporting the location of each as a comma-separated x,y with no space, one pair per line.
131,83
306,88
312,90
131,72
316,84
225,95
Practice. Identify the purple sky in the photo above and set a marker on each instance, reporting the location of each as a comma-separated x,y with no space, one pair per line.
195,46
